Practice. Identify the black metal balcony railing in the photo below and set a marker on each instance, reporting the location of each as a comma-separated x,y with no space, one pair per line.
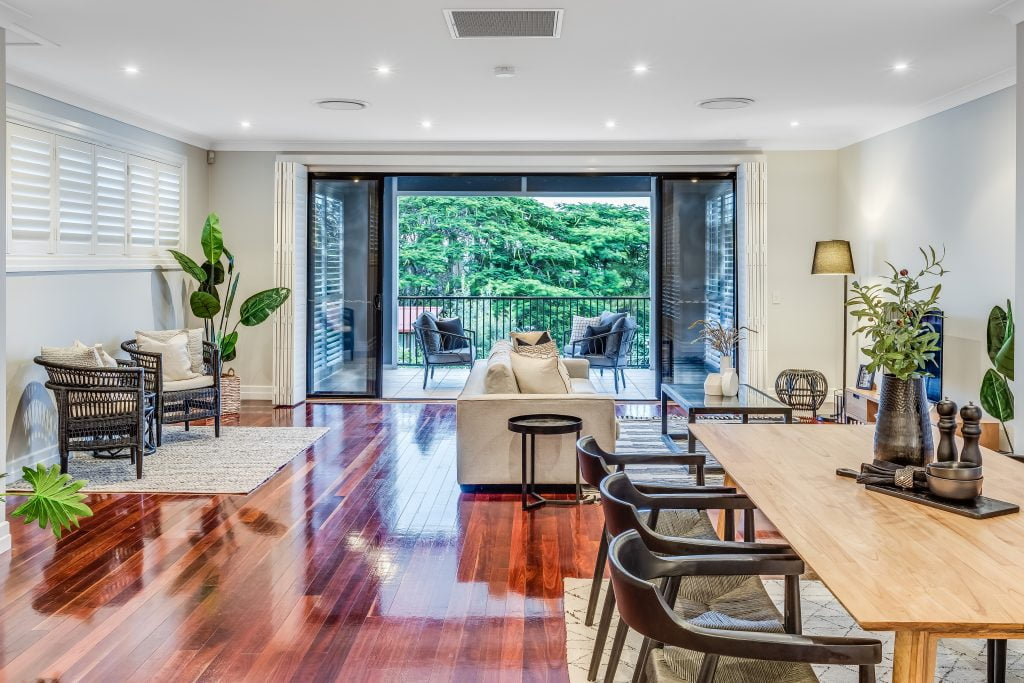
495,317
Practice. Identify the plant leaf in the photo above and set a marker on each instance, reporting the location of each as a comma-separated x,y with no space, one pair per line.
54,501
1004,357
213,239
188,265
996,397
227,345
260,305
218,271
996,333
204,305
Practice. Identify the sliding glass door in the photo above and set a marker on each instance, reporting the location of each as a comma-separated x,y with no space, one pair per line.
696,271
344,286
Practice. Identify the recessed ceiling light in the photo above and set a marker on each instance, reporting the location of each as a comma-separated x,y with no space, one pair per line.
246,124
426,124
505,71
131,70
342,104
900,66
640,69
609,124
726,103
794,124
383,69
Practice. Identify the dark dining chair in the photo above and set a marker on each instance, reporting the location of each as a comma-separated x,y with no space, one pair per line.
697,650
741,596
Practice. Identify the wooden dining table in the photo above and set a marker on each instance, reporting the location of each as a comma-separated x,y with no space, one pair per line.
895,565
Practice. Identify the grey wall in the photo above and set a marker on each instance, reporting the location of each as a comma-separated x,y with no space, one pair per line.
55,308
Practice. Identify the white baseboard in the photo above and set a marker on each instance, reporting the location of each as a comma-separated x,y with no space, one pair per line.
48,456
257,392
5,537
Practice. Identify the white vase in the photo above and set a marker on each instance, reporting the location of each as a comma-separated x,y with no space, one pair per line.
713,385
730,382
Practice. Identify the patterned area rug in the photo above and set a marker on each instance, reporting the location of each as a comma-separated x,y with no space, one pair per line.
196,462
958,661
644,436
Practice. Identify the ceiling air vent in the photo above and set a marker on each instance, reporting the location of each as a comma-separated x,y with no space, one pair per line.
504,23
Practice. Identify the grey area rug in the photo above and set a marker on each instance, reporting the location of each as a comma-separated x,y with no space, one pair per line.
196,462
644,436
958,661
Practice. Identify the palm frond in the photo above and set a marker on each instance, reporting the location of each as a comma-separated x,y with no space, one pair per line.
54,501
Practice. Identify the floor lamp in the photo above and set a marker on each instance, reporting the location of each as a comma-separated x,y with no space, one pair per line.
834,257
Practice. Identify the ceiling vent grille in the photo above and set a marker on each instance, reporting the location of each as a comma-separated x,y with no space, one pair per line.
504,23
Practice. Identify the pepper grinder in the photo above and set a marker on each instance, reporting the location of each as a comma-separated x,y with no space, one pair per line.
970,414
946,452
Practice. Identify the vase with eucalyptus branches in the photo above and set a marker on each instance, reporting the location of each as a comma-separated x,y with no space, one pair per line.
207,302
893,316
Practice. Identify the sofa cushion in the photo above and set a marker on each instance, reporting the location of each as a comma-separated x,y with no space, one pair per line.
578,385
531,338
452,326
534,344
500,378
540,375
188,384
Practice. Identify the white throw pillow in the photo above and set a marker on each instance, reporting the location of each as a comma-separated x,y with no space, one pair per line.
579,327
75,356
500,379
195,343
174,355
540,375
106,359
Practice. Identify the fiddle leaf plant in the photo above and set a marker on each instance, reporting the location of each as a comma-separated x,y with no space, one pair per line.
891,314
218,269
54,499
996,397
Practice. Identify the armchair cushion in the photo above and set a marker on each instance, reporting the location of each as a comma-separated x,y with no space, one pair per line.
195,343
76,356
174,356
454,326
106,360
431,339
595,347
187,384
579,326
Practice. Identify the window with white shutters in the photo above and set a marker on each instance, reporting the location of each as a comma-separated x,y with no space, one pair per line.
111,201
30,191
76,198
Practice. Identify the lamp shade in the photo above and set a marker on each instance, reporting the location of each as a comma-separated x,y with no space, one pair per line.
832,257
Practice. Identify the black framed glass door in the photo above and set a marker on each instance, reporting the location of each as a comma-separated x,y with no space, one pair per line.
696,271
344,333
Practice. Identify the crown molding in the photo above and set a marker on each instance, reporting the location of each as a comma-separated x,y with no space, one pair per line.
535,147
1011,9
41,86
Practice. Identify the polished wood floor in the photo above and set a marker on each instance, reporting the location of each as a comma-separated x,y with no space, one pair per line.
361,560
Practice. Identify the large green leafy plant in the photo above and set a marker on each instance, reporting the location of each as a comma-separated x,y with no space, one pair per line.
891,315
207,303
996,397
54,499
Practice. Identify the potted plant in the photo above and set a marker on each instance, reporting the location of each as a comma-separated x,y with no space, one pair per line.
206,302
53,499
724,340
901,342
996,397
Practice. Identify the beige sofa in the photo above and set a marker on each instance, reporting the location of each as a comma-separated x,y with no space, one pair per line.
489,454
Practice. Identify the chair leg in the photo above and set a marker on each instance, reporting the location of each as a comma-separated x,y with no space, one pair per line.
708,666
866,673
793,618
602,634
63,461
137,455
996,661
432,368
617,644
616,374
159,431
426,371
186,425
595,586
216,425
639,673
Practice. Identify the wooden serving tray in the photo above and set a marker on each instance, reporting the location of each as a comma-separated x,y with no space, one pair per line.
980,508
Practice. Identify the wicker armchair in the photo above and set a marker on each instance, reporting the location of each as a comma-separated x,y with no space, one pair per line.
175,405
98,409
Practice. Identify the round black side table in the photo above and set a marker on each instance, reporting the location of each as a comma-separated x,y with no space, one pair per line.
544,425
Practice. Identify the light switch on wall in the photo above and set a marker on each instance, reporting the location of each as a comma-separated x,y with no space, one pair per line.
776,297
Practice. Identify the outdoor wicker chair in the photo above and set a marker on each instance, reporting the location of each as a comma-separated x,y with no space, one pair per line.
98,410
444,348
184,400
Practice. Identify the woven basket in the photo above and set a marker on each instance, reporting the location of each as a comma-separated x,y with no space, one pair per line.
230,393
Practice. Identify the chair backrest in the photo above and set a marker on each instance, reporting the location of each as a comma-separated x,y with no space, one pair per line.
79,377
593,465
621,503
426,334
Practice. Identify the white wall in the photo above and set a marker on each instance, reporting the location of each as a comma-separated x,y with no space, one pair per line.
804,310
242,194
945,180
55,308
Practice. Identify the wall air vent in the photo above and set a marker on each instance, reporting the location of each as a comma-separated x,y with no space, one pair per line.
504,23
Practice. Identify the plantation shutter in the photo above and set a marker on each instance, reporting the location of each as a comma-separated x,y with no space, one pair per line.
75,174
111,201
142,202
168,207
30,190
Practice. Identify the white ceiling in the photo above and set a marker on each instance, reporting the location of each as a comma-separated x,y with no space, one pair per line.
206,65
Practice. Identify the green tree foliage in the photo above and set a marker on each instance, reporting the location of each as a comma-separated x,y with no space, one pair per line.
517,246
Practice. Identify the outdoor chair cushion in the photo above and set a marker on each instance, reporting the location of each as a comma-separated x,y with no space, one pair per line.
579,326
188,384
453,326
431,339
596,346
106,359
609,317
454,356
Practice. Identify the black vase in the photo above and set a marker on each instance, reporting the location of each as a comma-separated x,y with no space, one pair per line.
903,432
